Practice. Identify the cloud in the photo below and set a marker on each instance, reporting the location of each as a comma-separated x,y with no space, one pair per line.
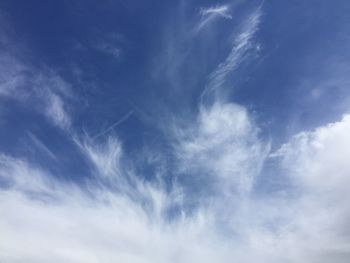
242,44
222,143
109,49
104,156
210,13
44,89
112,169
320,157
45,219
217,10
55,111
317,163
41,89
20,176
62,222
10,76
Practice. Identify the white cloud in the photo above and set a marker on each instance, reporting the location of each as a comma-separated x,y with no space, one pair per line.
320,156
12,76
48,220
43,91
210,13
20,175
104,156
55,111
42,219
40,89
242,44
317,162
222,143
112,168
222,10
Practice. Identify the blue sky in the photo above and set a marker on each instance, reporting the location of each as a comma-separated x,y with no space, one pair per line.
174,131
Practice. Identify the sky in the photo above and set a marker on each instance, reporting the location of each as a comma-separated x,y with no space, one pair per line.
174,131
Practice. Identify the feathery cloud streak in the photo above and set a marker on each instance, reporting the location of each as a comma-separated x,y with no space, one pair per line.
210,13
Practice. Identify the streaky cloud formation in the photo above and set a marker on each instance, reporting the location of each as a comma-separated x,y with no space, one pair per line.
242,43
108,225
219,10
43,91
190,189
210,13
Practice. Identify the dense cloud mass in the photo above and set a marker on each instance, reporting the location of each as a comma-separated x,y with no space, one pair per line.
215,184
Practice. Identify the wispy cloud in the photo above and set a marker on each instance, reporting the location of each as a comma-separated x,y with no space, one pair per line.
104,156
223,144
65,222
242,43
218,10
111,168
108,49
210,13
55,111
42,88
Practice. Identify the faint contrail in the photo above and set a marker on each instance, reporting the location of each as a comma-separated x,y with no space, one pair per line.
121,120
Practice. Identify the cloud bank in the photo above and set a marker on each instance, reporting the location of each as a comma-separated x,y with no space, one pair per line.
44,219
